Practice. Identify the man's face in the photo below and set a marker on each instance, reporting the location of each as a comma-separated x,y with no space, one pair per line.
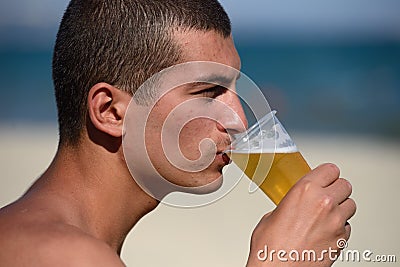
189,98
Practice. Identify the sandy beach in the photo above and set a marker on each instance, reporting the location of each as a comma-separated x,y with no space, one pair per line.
218,234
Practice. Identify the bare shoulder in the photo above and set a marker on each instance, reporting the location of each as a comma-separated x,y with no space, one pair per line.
39,243
79,250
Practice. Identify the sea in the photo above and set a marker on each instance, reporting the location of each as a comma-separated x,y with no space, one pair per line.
325,88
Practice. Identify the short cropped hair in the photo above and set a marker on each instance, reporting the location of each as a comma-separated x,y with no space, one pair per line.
123,43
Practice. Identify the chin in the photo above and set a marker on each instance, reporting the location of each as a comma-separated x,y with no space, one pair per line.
208,188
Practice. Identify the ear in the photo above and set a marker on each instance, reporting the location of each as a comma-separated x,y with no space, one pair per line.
106,107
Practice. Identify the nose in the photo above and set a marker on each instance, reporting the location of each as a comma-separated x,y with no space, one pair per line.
233,119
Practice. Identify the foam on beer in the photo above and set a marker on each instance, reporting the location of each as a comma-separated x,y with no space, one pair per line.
268,136
292,149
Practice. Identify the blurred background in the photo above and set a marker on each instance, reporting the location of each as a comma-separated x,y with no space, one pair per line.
330,68
325,66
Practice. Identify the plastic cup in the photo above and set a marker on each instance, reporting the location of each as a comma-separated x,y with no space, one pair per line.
269,157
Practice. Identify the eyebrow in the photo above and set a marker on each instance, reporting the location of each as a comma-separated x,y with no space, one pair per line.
224,81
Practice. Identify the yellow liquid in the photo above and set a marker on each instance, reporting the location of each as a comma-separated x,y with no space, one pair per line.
274,174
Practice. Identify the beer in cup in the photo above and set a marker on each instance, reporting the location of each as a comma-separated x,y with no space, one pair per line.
269,157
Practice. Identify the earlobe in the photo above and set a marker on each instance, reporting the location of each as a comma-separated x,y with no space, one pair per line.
106,108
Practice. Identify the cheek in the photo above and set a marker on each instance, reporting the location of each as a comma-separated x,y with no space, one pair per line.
152,133
192,135
175,137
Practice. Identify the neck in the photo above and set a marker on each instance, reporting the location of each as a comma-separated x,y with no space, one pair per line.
96,192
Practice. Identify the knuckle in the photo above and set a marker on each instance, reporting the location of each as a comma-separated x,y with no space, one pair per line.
346,182
326,202
332,168
303,186
345,185
353,205
349,185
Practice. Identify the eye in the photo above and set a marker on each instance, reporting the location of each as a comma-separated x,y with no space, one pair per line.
212,92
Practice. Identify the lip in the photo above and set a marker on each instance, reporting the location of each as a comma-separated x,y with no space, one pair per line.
223,158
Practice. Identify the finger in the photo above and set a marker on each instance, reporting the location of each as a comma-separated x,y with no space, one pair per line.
348,209
265,217
342,241
324,175
347,231
340,190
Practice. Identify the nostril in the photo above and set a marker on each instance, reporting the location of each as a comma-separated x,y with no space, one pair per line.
221,128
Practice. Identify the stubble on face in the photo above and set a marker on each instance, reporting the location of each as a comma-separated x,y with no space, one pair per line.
195,46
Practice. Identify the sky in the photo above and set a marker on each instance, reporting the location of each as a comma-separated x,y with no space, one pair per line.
306,18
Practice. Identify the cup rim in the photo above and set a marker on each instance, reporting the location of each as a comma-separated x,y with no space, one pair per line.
250,131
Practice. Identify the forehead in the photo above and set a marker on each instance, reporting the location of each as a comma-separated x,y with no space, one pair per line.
207,46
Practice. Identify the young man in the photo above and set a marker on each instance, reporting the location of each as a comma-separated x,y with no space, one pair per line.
80,210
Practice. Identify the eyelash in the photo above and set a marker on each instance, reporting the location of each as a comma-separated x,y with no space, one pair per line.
212,92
